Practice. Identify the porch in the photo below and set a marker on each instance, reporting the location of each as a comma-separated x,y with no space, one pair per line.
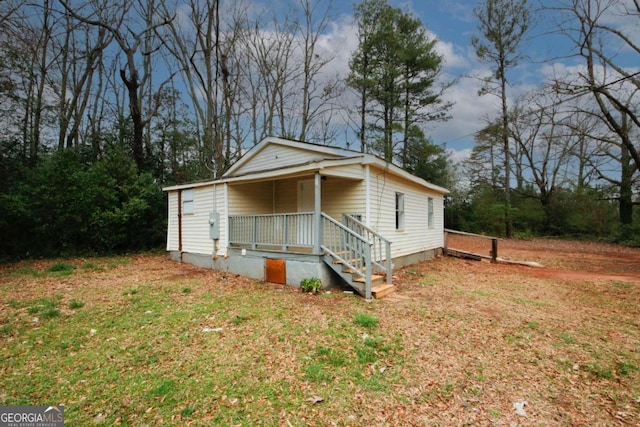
358,254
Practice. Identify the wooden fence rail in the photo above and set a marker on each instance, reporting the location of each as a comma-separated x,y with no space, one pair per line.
459,252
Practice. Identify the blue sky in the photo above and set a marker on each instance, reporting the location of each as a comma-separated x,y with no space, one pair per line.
453,23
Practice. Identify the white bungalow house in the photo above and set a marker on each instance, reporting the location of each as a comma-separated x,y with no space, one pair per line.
290,210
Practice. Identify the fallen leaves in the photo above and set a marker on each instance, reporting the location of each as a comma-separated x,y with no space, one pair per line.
315,400
466,341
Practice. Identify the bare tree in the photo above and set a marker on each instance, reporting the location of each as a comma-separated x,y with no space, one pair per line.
117,20
27,77
318,93
599,30
611,161
79,57
53,60
544,143
8,8
211,55
38,85
583,126
270,56
286,87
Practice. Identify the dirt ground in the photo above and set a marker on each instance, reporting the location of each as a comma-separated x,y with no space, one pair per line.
560,334
559,258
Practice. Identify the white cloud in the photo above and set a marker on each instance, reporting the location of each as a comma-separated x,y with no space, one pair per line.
458,156
452,55
468,114
341,41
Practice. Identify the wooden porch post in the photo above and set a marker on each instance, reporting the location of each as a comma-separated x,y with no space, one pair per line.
317,220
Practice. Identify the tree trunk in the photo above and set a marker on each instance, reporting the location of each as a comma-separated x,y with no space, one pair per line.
505,142
137,145
626,188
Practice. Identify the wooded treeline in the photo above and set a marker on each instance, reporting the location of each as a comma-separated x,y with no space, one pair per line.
103,103
569,148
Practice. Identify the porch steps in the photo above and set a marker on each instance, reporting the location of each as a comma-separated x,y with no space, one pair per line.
358,254
382,290
379,288
375,279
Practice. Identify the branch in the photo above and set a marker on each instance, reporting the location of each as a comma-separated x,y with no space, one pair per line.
157,99
116,34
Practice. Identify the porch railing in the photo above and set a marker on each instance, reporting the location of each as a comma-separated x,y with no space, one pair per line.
283,230
349,248
380,247
359,249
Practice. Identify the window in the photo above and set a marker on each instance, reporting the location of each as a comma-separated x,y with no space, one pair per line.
187,201
430,212
399,211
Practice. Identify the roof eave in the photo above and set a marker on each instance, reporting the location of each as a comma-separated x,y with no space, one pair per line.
396,170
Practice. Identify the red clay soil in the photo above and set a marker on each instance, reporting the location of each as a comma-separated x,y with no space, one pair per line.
560,259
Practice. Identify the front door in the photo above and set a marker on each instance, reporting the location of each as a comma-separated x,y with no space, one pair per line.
306,204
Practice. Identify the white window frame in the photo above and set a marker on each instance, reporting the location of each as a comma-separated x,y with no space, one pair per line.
187,202
400,213
430,212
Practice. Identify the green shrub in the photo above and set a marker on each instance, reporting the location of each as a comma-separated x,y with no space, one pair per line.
310,284
91,266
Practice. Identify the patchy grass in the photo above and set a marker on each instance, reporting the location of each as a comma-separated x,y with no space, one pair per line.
623,285
74,304
366,320
60,268
145,341
92,266
44,307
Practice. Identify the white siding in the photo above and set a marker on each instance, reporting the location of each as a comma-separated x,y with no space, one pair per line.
172,221
338,196
344,190
195,227
279,156
251,199
343,196
416,235
286,195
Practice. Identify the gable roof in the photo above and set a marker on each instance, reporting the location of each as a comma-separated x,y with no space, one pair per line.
277,146
279,157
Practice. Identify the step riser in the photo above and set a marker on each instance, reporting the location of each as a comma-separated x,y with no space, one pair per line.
382,290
